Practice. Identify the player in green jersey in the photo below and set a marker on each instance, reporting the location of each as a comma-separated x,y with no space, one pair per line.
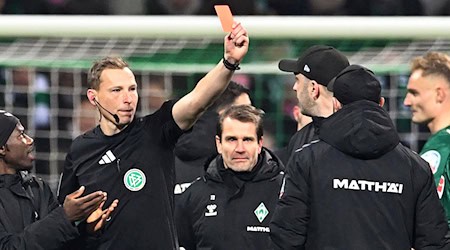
428,97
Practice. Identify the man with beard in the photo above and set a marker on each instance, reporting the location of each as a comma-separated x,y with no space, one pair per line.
313,70
357,186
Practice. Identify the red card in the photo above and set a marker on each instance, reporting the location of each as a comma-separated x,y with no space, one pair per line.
225,17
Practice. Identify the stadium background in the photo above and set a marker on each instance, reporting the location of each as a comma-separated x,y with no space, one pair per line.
44,60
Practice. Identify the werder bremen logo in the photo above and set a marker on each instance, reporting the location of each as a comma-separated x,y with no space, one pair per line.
134,179
261,212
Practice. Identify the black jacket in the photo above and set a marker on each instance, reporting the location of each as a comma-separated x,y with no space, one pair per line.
305,135
229,210
194,148
357,187
31,219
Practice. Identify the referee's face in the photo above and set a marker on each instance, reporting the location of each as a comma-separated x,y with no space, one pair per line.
239,145
118,94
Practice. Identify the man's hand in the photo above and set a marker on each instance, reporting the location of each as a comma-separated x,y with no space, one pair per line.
236,44
97,219
78,208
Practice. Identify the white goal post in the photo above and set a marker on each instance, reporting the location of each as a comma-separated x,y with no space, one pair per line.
209,26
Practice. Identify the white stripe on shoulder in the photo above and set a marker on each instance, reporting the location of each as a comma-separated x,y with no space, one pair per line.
307,145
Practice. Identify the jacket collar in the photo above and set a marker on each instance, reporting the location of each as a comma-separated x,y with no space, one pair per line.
270,166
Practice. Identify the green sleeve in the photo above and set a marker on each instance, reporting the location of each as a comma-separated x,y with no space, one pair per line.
437,153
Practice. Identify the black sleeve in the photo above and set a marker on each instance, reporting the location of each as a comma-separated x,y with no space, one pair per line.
68,182
52,202
183,221
163,123
290,220
430,223
51,232
300,138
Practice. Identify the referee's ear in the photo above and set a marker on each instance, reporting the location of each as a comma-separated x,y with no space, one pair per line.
92,95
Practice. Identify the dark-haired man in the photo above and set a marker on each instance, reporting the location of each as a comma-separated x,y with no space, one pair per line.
198,144
231,205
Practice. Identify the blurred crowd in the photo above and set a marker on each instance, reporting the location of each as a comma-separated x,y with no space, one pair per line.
247,7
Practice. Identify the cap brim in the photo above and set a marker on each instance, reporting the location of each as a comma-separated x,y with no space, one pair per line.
288,65
330,85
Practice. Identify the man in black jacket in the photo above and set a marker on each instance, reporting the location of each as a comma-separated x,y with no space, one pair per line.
30,216
231,205
357,187
313,70
198,144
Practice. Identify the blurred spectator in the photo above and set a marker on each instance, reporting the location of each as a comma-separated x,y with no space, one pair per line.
86,117
154,93
269,140
174,7
302,120
367,7
82,7
66,88
248,7
41,91
289,7
29,100
238,7
384,7
129,7
446,9
24,7
26,83
436,7
18,98
2,85
325,7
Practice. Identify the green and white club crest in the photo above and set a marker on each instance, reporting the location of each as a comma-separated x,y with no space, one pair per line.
134,179
261,212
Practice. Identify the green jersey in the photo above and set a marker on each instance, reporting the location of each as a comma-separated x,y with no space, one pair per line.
437,153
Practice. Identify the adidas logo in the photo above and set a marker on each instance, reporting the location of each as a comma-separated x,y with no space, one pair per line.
306,68
107,158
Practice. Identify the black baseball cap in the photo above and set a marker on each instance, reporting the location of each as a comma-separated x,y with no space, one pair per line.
355,83
319,62
8,123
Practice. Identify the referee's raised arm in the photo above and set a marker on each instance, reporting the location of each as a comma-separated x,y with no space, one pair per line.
186,111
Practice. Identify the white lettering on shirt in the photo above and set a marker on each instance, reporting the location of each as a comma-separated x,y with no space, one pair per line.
371,186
